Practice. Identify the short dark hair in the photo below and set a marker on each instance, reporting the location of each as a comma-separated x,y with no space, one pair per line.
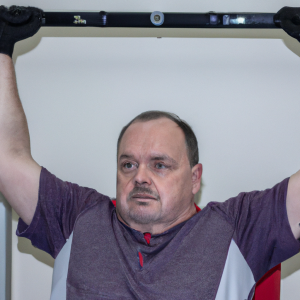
190,137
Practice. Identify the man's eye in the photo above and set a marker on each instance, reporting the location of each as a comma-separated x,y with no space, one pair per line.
160,166
128,165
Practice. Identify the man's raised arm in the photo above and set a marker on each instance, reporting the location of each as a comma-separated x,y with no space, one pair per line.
293,204
19,173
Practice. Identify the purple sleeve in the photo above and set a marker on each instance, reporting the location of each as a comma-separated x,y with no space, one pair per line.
262,230
58,206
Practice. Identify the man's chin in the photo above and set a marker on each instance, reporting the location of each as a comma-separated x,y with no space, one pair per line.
143,203
142,215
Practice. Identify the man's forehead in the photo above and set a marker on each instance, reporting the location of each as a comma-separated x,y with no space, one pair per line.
152,156
161,137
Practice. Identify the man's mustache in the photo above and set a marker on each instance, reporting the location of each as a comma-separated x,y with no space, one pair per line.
143,190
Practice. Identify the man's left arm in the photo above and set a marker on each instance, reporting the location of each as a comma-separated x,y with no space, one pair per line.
293,204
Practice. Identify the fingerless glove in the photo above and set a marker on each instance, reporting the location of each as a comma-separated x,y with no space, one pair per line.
289,20
17,23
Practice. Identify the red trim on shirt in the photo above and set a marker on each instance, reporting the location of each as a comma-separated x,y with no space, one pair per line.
147,237
141,259
268,287
197,207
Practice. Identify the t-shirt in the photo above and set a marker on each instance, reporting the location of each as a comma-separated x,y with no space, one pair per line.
190,261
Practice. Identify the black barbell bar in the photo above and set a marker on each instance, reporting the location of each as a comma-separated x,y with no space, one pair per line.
287,18
159,19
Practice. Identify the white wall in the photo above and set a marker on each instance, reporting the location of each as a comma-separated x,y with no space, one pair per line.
239,93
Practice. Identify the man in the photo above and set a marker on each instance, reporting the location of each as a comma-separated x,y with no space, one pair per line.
153,244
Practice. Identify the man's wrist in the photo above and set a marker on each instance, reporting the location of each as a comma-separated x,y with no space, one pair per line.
7,49
5,57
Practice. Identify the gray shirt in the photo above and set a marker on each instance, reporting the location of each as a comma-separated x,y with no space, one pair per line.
185,262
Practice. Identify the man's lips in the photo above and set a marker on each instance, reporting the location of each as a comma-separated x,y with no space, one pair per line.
143,196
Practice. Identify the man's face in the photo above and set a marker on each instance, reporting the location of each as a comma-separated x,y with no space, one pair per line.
155,183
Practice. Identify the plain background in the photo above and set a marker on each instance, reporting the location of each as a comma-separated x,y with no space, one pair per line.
239,90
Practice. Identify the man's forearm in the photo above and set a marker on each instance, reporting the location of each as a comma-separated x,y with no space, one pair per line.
14,135
293,204
19,173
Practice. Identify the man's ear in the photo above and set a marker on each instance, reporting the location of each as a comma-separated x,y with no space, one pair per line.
196,178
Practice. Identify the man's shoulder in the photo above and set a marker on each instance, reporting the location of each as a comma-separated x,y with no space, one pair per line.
98,206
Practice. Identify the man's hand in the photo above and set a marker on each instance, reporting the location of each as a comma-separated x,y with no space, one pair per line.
17,23
288,18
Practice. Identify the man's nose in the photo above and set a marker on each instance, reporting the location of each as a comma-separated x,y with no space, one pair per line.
142,175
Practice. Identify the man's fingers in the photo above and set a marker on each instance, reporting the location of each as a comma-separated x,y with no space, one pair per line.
15,14
289,20
23,22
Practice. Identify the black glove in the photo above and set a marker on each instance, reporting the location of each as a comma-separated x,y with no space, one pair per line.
288,18
17,23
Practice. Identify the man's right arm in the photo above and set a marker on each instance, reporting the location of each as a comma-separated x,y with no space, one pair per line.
19,173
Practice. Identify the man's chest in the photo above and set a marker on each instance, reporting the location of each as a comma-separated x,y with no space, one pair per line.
105,262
